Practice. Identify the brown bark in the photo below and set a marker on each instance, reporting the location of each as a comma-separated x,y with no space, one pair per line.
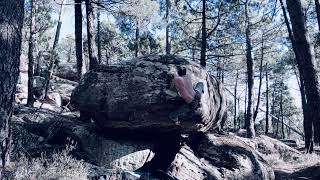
273,111
249,117
11,21
267,102
308,125
235,101
137,39
245,106
78,36
260,81
281,111
52,59
306,64
98,34
92,48
107,57
30,99
204,36
239,121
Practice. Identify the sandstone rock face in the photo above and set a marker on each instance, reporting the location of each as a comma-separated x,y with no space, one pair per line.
54,98
224,157
67,71
136,96
113,153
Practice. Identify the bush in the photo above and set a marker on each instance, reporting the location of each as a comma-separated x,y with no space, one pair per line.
62,166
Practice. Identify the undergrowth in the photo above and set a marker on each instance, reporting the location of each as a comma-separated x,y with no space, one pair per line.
61,166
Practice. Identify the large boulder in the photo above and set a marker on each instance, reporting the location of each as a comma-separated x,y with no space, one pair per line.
67,71
136,96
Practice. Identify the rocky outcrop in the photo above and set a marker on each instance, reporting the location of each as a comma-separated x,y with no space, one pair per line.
136,97
67,71
200,157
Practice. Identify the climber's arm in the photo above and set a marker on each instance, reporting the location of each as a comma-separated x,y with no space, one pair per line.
172,85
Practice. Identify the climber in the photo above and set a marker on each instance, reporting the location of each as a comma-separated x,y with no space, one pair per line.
182,83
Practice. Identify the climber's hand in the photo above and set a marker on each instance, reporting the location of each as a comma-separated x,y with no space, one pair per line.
177,123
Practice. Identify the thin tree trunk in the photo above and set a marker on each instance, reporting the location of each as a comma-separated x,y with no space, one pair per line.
238,118
306,63
277,130
11,21
137,40
107,57
78,36
99,34
193,52
30,99
318,12
204,36
69,54
281,110
273,111
267,102
168,45
245,106
249,118
260,81
92,48
37,69
55,43
235,101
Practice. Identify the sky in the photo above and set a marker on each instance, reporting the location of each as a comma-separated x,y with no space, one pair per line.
67,27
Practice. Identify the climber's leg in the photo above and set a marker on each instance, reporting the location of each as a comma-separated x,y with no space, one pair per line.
174,116
199,87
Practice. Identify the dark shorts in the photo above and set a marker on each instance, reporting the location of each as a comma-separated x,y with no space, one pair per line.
190,107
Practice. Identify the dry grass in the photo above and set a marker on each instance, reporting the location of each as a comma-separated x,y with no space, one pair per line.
60,167
292,163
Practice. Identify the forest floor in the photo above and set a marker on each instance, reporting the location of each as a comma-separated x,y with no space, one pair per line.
308,168
287,163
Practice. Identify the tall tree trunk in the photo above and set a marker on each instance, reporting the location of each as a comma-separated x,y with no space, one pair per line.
308,124
204,36
193,52
235,101
99,34
239,120
318,12
11,21
69,55
277,125
267,101
260,80
249,117
281,110
31,100
92,48
55,43
78,36
245,106
168,44
107,56
306,63
273,111
137,40
37,69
